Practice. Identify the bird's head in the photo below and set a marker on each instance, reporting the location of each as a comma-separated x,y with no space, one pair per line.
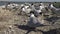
32,15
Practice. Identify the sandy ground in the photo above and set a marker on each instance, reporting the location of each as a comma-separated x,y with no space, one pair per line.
9,18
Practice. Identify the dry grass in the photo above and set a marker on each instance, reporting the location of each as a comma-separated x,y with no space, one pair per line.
5,15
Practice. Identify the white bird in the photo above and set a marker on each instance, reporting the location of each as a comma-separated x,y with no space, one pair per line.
15,4
32,15
10,6
54,7
37,11
23,9
22,5
33,21
41,3
29,10
26,6
41,7
26,9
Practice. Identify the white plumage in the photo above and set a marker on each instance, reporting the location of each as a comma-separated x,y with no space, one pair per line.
52,6
38,11
26,6
33,21
22,5
23,9
41,7
32,15
26,9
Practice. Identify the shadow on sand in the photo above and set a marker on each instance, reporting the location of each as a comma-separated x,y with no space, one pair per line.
52,19
29,29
